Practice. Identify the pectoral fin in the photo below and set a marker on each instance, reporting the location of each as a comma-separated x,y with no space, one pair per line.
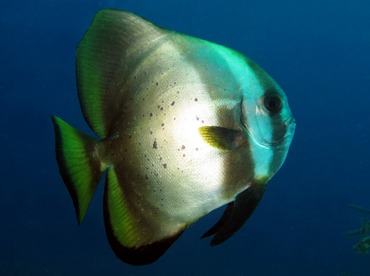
236,214
221,137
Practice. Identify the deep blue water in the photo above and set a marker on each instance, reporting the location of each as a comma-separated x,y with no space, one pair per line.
317,50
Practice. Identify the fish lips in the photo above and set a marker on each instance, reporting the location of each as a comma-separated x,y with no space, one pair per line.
281,138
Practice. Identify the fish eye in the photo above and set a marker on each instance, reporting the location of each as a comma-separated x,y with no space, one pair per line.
272,103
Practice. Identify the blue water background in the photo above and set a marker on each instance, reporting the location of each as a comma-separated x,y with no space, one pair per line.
317,50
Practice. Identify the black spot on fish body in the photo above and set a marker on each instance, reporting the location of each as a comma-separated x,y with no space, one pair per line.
173,103
164,166
155,145
196,99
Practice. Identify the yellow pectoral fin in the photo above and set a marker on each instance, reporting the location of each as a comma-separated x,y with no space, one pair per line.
135,238
222,138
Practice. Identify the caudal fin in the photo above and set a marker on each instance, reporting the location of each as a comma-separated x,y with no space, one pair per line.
79,165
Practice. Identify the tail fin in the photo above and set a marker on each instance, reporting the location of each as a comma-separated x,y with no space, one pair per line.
79,165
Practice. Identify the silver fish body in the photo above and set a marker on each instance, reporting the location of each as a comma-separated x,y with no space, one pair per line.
184,125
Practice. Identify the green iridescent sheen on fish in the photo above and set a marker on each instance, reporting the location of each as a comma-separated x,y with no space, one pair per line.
184,126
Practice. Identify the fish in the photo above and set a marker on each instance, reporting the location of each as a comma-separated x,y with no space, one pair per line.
182,126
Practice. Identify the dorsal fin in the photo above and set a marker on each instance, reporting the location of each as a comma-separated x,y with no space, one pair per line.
105,56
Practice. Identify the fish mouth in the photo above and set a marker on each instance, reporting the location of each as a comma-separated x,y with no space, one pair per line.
283,141
281,138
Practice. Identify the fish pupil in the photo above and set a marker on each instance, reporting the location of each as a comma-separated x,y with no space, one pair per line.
273,103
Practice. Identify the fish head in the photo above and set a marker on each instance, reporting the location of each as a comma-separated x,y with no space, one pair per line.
267,120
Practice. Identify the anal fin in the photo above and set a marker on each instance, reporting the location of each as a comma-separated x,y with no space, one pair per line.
133,238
